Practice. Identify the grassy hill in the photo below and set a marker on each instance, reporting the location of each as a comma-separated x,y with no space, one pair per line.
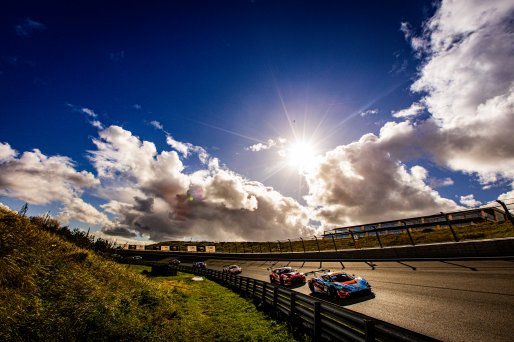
52,290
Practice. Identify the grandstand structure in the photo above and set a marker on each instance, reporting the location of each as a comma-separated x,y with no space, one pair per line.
436,221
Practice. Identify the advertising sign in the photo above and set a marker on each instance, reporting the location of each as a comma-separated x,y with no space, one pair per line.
140,247
210,249
165,248
191,248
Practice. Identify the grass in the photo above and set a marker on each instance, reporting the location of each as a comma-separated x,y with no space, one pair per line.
479,231
52,290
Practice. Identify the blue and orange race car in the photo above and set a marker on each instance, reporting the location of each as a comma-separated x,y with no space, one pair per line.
339,285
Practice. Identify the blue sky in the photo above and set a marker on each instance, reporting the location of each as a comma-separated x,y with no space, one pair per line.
350,113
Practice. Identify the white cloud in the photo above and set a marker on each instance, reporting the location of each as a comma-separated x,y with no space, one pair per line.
369,112
89,112
38,179
6,152
469,201
439,183
414,110
467,82
28,26
365,181
266,146
213,203
156,124
79,210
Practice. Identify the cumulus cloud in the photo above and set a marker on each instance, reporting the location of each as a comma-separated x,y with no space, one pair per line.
468,79
469,201
28,26
39,179
439,183
365,181
414,110
212,203
266,146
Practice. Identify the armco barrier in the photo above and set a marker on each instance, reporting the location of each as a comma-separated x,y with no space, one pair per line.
325,321
464,250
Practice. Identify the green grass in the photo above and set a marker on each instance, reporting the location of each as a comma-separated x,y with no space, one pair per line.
51,290
480,231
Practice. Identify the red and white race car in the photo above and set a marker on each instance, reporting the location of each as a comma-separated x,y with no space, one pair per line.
286,276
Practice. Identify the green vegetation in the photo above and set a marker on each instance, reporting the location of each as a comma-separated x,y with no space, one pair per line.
488,230
52,290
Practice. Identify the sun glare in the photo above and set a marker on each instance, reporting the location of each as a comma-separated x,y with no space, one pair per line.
300,155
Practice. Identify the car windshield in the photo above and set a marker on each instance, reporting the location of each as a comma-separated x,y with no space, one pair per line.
341,277
284,270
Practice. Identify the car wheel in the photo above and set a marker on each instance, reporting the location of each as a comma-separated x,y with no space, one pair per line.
311,287
332,292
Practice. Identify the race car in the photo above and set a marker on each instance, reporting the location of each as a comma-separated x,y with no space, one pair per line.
233,269
174,262
199,264
339,285
286,276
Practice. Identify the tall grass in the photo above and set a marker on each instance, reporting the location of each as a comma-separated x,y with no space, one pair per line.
52,290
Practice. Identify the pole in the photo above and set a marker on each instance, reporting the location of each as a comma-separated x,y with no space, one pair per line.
455,237
408,232
507,212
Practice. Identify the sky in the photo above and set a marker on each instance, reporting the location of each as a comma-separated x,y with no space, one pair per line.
253,120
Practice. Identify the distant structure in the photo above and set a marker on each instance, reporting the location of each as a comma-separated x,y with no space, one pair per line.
437,221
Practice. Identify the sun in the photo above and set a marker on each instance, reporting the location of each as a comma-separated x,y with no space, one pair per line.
300,155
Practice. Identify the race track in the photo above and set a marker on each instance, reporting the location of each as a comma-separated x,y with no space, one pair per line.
450,301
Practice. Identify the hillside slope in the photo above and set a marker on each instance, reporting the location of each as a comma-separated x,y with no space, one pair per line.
52,290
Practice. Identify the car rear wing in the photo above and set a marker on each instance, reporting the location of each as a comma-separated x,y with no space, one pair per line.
314,272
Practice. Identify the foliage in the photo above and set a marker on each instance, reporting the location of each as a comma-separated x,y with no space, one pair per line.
52,290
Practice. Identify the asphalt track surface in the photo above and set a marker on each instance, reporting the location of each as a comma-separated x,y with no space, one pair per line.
450,301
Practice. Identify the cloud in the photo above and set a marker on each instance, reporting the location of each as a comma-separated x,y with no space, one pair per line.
89,112
369,112
211,203
39,179
28,26
365,181
414,110
439,183
467,82
267,145
156,124
470,201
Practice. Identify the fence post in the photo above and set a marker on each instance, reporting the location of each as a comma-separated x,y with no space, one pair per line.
292,306
279,247
455,237
378,237
263,297
369,327
254,288
334,241
353,238
317,321
317,243
507,212
244,251
303,244
408,232
260,247
290,245
269,245
275,298
247,286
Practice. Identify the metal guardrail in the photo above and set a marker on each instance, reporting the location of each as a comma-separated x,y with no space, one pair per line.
325,321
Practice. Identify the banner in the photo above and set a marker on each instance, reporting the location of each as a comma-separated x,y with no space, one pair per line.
210,249
191,248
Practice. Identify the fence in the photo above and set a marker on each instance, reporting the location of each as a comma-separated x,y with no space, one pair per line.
324,321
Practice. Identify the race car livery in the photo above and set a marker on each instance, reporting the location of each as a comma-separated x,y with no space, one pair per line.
233,269
199,264
339,285
286,276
